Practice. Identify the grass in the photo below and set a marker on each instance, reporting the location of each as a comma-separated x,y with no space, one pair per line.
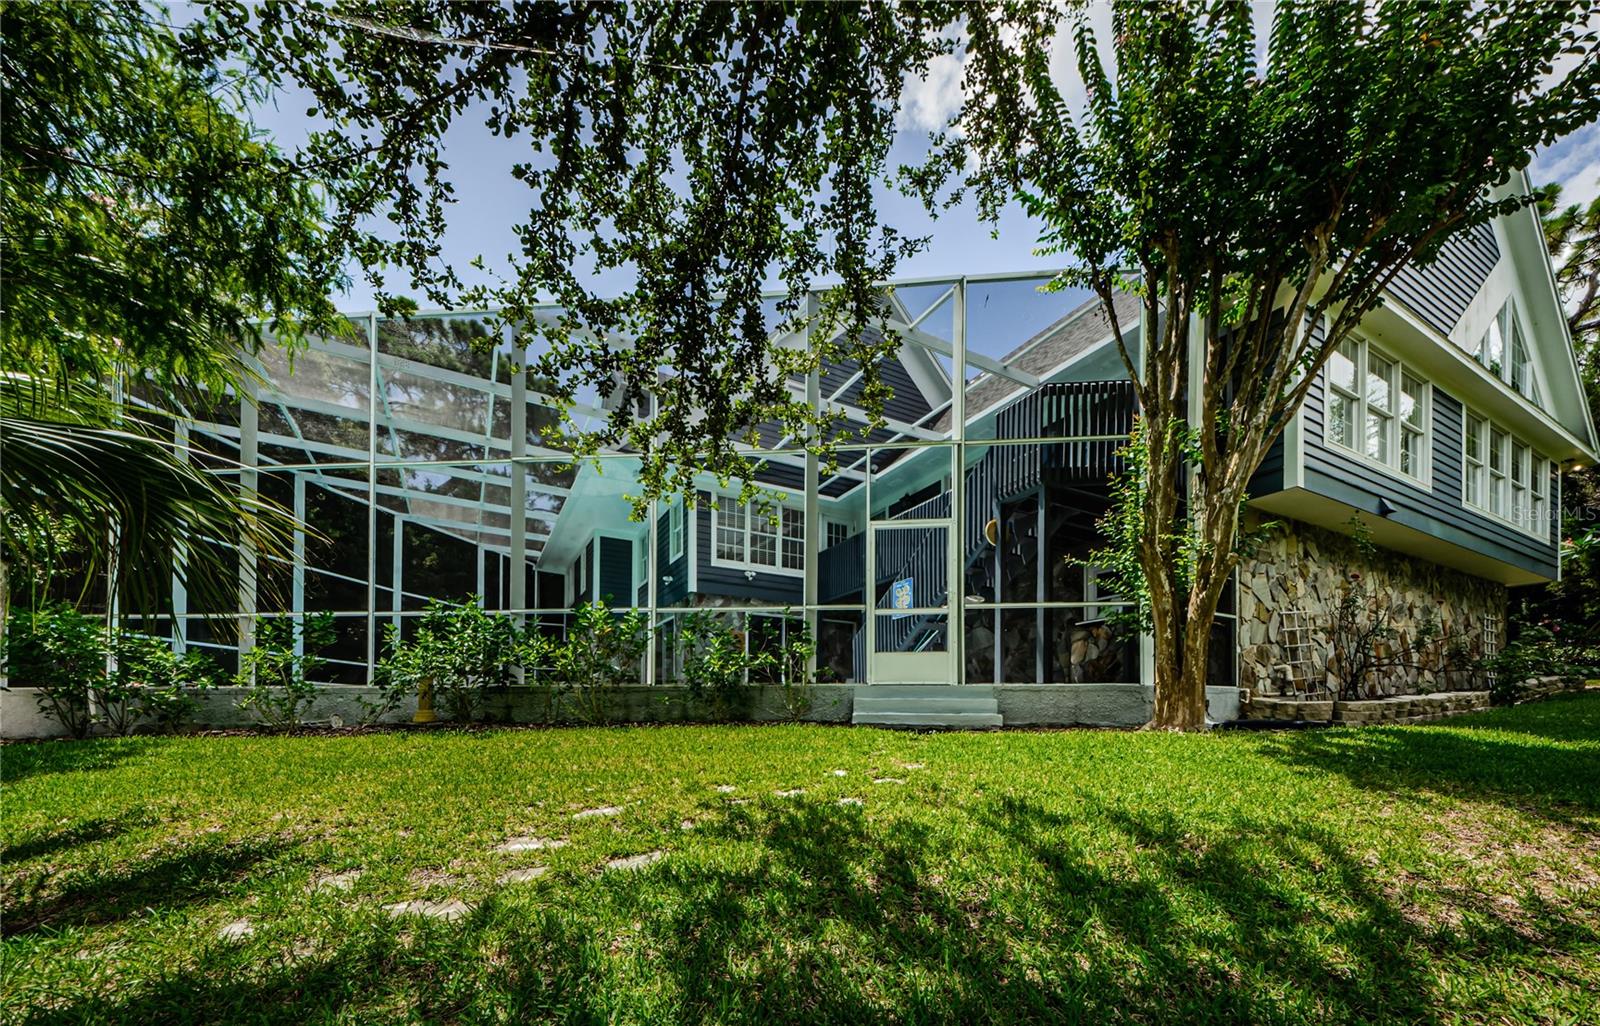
1445,873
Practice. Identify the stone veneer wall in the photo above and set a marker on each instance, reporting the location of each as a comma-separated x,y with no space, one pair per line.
1303,567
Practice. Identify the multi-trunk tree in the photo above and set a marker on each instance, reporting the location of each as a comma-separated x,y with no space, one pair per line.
1259,195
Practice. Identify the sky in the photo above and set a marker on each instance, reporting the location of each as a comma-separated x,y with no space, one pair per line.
488,196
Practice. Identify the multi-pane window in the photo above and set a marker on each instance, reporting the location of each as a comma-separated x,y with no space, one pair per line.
1343,401
1413,425
794,540
758,539
675,537
1378,408
838,533
730,533
1504,476
1474,474
1497,471
1503,349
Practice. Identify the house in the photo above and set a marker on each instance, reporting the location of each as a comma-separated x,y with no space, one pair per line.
1441,426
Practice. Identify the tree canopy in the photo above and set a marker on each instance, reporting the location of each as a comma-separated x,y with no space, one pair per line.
1270,201
702,150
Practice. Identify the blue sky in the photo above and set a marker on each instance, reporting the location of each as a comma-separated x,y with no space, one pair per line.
489,199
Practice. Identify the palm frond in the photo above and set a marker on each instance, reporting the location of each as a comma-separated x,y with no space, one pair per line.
139,507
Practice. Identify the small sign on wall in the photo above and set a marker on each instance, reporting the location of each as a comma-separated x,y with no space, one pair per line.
900,596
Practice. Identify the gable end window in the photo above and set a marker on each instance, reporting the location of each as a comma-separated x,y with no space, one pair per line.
1379,409
751,539
1504,477
1503,351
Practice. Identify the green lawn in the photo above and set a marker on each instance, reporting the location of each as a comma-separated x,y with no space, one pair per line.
1442,873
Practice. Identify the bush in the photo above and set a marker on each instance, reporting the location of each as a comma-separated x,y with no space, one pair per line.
150,683
460,649
65,655
600,653
1538,650
276,677
62,653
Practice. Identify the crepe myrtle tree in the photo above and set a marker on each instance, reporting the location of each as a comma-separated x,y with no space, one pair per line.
677,158
1258,206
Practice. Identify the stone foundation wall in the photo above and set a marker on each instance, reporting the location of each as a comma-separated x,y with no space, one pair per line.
1301,567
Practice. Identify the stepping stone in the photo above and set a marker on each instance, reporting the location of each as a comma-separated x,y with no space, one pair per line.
740,801
532,844
687,824
887,780
911,765
604,810
790,793
726,788
237,930
635,861
515,876
336,881
449,911
849,801
840,773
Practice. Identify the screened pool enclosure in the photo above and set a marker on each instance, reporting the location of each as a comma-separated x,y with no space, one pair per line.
432,470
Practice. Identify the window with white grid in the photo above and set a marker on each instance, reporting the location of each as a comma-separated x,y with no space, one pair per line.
1378,409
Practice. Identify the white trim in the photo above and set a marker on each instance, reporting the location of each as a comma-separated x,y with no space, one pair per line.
749,516
1395,430
675,529
1538,471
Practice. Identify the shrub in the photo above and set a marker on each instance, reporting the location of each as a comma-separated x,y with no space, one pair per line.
599,654
149,682
277,678
62,653
1538,650
460,648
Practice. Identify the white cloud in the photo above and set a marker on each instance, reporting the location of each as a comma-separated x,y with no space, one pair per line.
929,101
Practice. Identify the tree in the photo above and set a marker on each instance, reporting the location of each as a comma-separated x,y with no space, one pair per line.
1572,234
147,235
1263,209
699,149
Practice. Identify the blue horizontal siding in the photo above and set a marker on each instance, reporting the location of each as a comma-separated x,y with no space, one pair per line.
1441,292
730,582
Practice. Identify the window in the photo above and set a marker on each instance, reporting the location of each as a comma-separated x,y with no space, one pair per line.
794,538
675,530
758,539
1473,476
1504,477
1378,409
1503,349
838,533
730,532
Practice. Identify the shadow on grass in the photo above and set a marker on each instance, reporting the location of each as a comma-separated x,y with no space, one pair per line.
168,879
21,760
1543,755
1096,912
88,831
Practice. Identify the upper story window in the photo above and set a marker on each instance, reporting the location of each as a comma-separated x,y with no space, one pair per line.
838,532
755,539
1504,477
675,530
1503,349
1378,409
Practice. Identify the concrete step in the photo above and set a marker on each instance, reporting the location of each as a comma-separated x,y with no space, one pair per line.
922,691
871,703
926,719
